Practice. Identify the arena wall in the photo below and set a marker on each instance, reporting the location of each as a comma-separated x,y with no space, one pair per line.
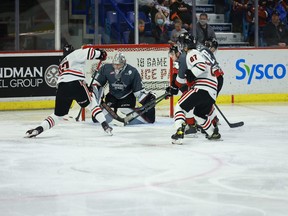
28,80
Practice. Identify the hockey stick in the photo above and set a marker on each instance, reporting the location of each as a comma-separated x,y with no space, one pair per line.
131,116
136,113
91,83
231,125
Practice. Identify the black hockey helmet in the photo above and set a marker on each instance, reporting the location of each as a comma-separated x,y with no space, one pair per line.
174,49
186,40
67,49
211,42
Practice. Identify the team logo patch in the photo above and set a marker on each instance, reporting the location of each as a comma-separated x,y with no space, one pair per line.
51,76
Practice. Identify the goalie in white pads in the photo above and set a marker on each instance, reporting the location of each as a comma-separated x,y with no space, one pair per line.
125,86
200,97
72,86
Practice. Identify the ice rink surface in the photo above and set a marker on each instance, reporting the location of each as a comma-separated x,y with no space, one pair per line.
75,169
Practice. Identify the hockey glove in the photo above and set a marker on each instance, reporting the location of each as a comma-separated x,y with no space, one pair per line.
171,90
103,55
190,77
214,43
149,97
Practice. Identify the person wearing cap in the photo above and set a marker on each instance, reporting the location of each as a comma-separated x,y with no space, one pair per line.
275,32
125,86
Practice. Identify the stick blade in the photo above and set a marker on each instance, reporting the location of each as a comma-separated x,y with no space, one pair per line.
237,124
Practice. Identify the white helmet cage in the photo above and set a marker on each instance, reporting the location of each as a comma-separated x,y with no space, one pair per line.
119,58
118,62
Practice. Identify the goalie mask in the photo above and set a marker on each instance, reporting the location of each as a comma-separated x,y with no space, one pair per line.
119,61
186,41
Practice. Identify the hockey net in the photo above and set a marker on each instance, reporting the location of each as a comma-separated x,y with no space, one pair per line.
153,64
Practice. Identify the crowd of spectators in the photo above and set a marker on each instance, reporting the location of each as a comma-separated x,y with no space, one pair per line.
169,18
242,16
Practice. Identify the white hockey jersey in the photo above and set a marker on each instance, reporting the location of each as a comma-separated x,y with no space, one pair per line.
72,66
201,69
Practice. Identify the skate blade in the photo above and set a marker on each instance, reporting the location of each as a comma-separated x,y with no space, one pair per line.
177,142
30,136
109,132
191,135
216,140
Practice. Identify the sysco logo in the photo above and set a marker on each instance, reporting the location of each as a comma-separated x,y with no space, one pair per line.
260,71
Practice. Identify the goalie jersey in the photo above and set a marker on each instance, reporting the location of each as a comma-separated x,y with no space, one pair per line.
72,66
121,84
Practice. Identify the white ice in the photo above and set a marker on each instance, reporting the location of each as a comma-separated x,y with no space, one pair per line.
75,169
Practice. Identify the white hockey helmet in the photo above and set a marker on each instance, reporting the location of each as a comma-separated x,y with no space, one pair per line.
119,61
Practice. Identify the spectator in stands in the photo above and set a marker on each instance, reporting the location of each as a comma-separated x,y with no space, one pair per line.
160,29
249,10
275,33
144,38
204,32
146,6
181,10
176,31
162,6
280,6
236,16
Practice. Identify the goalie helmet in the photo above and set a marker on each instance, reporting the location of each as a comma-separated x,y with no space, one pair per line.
119,61
186,41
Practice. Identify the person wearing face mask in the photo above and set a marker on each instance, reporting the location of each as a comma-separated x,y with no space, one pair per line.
160,30
144,38
125,86
204,32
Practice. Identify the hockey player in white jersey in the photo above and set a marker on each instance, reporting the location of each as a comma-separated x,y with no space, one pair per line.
200,97
72,86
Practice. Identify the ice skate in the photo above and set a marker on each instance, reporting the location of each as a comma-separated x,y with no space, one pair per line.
34,132
190,129
215,135
178,137
107,128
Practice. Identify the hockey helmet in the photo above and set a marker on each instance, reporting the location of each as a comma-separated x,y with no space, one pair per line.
186,41
119,61
211,43
67,49
173,50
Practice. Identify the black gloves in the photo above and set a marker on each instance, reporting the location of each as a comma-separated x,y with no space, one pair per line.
149,97
171,90
214,43
190,77
103,55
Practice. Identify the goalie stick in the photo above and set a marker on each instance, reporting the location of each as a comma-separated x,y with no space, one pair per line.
231,125
136,113
91,83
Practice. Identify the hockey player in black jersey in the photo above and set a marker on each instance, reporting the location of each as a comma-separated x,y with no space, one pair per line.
125,88
72,86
